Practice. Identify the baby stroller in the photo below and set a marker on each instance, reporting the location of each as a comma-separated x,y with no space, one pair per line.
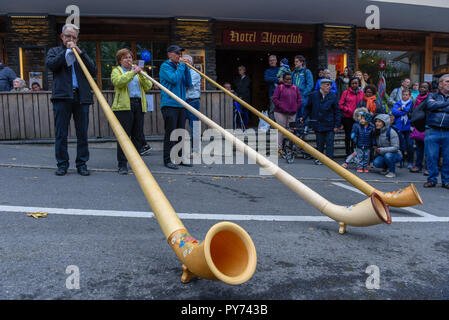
241,117
291,150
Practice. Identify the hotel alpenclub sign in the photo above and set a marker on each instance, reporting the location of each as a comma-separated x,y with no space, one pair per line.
266,38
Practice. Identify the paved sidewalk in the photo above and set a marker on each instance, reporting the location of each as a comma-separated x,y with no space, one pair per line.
103,158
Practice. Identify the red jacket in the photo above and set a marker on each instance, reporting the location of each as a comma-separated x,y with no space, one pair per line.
286,99
349,101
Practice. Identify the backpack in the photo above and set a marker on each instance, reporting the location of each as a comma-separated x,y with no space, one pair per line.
418,118
402,142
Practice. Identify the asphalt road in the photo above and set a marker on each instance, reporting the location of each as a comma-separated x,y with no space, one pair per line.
102,225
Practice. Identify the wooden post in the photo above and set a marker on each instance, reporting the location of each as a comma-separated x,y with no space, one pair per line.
428,67
98,58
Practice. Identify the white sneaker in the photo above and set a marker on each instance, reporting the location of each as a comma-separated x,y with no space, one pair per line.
390,175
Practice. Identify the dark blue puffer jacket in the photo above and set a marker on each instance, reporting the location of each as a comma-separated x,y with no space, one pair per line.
363,137
437,110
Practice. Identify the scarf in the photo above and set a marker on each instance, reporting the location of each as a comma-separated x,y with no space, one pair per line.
370,103
420,99
404,118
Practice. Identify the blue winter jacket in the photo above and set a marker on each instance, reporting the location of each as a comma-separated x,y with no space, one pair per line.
401,117
363,136
270,76
437,110
7,76
324,112
302,78
175,78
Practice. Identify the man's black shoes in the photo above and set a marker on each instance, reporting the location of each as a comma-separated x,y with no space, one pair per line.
171,165
62,171
83,171
186,164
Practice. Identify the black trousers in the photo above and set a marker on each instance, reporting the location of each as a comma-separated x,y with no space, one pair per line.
174,118
347,125
132,123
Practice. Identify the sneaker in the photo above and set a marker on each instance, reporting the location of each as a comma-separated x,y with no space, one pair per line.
409,166
345,165
317,162
384,172
145,150
366,170
415,169
360,170
390,175
429,184
281,154
426,173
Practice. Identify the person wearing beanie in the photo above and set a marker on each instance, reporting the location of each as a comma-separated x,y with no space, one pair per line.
283,69
362,133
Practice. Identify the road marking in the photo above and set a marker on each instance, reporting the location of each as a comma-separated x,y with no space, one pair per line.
426,3
197,216
411,210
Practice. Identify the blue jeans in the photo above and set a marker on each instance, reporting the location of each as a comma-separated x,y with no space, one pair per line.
388,160
363,158
435,142
63,110
325,138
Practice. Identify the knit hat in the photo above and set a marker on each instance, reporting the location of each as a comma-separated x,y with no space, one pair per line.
368,117
284,61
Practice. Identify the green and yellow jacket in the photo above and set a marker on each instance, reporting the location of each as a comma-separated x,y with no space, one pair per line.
120,80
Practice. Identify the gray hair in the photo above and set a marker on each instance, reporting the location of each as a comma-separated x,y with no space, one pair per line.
22,82
444,76
71,26
189,58
327,71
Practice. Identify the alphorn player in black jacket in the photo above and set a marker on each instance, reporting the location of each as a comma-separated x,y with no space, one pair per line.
71,94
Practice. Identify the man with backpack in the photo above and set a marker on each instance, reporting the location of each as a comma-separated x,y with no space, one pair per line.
302,78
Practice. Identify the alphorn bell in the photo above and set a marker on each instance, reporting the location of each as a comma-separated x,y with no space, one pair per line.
406,197
369,212
227,252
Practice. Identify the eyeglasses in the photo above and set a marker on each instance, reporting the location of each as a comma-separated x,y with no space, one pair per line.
69,36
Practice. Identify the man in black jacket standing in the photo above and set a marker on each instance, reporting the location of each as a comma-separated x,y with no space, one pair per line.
436,141
71,94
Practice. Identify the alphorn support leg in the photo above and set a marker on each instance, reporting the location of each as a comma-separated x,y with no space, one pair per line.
187,275
343,228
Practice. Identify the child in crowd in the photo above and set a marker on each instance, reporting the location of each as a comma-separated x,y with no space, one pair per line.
283,69
402,122
363,140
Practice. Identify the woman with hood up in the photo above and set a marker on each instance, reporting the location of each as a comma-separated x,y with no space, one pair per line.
386,152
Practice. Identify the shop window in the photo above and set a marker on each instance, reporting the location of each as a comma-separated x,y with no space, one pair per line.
336,63
399,65
158,52
32,65
440,63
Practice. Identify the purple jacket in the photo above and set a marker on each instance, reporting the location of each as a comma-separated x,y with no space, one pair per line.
286,99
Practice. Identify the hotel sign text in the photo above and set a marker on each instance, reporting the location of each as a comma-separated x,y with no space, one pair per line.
267,38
